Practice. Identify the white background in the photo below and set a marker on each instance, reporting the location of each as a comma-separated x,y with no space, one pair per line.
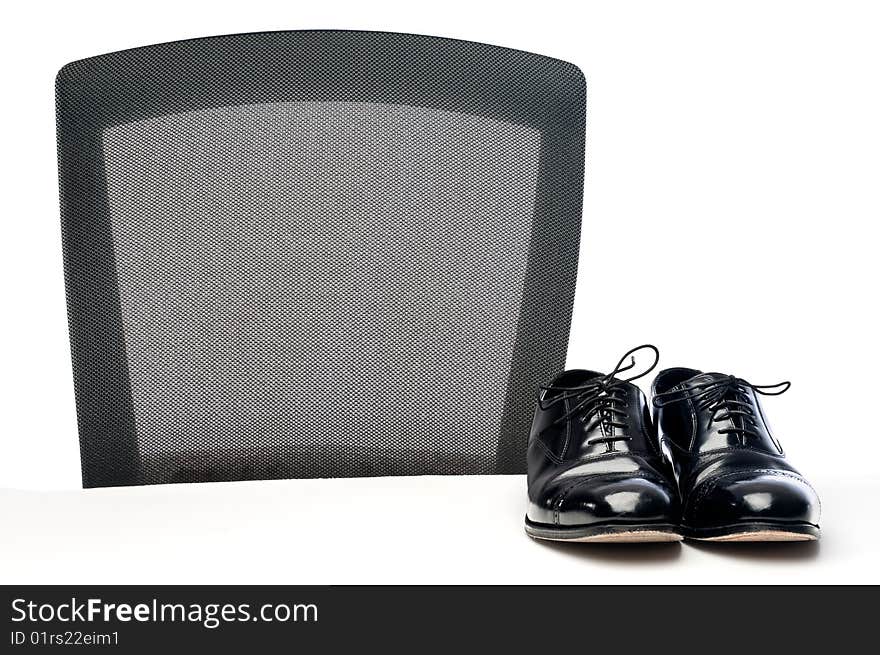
731,210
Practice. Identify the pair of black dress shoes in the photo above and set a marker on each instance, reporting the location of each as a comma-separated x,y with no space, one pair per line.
706,467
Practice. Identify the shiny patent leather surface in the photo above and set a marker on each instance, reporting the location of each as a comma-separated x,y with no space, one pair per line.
589,467
728,466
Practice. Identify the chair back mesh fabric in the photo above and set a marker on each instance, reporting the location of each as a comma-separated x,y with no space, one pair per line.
316,254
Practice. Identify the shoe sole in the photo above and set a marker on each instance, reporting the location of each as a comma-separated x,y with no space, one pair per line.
755,532
619,533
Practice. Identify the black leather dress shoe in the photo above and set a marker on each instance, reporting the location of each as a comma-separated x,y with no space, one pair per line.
734,481
595,470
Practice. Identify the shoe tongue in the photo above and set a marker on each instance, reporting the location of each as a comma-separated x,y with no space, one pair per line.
702,379
579,378
575,378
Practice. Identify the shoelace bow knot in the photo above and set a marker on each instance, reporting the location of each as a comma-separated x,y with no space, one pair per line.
724,399
603,398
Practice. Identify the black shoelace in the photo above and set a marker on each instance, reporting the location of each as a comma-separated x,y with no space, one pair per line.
603,398
724,400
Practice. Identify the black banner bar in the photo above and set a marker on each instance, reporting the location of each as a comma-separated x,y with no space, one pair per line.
320,619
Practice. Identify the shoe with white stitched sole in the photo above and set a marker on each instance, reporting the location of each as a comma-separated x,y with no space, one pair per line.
595,469
733,478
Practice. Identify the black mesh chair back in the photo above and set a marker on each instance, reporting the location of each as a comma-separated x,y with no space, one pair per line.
316,254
